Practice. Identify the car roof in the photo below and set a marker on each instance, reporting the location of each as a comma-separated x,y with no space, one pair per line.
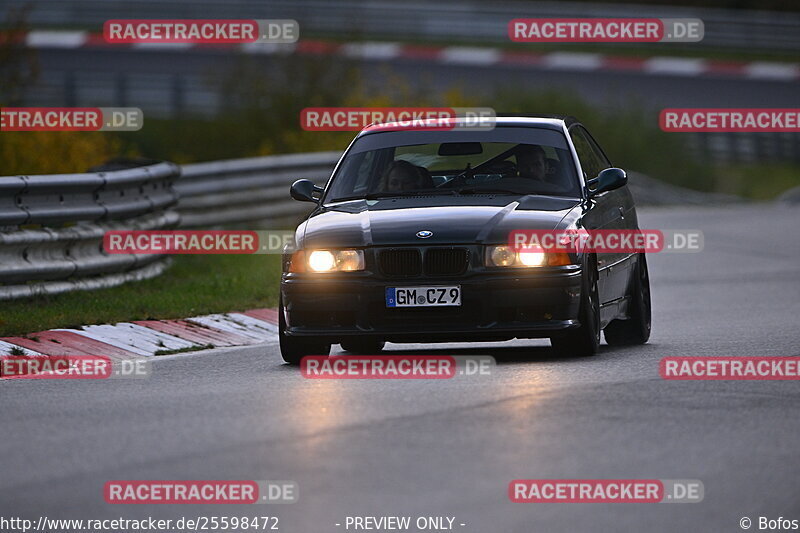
554,122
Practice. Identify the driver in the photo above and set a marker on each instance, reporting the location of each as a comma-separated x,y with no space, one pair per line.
531,161
401,176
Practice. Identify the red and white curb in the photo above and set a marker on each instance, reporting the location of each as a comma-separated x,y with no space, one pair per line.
454,55
146,338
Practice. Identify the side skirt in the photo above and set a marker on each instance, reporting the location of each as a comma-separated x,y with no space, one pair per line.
614,310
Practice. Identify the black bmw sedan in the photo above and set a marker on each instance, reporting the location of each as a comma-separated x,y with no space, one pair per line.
409,242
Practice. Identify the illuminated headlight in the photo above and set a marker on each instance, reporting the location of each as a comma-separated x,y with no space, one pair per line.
336,260
321,261
531,259
506,256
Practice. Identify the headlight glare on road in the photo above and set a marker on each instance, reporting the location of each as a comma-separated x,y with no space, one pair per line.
336,260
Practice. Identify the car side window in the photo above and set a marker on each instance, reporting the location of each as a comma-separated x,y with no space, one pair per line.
591,157
604,162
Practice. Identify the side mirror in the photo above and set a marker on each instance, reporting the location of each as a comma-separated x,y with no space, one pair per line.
608,180
303,191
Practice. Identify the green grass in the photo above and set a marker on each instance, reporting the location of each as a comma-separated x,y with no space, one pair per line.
758,181
194,285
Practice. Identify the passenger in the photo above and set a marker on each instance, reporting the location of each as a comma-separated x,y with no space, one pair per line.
401,176
531,161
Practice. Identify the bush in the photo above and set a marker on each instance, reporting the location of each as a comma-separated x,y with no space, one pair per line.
47,152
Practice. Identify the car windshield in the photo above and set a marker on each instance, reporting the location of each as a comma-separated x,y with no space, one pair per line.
513,161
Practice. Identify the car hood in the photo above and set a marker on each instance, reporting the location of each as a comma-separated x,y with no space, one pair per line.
452,220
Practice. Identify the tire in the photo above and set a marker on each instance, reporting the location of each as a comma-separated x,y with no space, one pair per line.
636,329
585,340
363,347
293,349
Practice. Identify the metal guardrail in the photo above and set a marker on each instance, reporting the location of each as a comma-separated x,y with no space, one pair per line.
51,228
248,190
463,20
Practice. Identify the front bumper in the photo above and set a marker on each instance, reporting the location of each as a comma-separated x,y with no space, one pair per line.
495,306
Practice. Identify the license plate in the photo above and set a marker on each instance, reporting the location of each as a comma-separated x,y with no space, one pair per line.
423,296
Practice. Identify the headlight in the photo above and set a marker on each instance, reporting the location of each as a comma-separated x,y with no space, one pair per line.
349,260
531,259
502,256
505,256
321,261
328,261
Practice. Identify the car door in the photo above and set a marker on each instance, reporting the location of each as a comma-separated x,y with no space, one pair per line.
621,268
607,213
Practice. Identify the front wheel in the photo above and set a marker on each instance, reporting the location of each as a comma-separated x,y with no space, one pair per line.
293,349
636,329
585,340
